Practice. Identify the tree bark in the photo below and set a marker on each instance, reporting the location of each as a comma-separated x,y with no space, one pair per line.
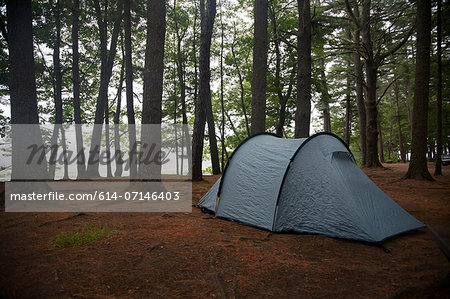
107,63
129,89
182,85
371,67
399,126
153,86
259,79
241,84
348,116
118,152
360,103
57,91
380,142
81,162
207,22
282,99
438,166
325,98
214,151
222,104
303,112
22,88
418,169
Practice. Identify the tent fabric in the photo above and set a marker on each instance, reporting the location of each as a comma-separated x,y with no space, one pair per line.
308,185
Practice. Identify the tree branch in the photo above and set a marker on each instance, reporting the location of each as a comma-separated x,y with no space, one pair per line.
386,89
352,15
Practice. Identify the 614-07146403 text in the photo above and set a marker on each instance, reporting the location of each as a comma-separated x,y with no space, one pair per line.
96,195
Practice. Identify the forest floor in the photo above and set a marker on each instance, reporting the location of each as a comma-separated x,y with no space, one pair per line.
195,255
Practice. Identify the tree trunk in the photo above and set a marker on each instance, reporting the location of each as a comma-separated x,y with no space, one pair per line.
153,86
325,98
360,104
418,169
57,91
129,90
194,54
438,166
390,129
180,72
107,142
222,104
371,89
303,112
207,22
380,142
81,163
282,99
107,63
259,79
399,126
118,153
22,88
348,116
241,84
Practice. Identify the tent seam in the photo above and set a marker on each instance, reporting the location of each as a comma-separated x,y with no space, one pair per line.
293,158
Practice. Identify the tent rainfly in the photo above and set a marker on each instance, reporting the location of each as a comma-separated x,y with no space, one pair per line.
308,185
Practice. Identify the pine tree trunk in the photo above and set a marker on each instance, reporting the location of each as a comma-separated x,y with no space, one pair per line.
259,78
107,63
222,104
325,98
118,153
57,91
153,86
129,89
418,169
371,88
438,166
22,88
399,126
348,117
81,163
380,142
303,112
207,22
282,99
241,85
107,142
182,85
360,104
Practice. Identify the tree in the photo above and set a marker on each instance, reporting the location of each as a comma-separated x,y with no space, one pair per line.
22,89
373,55
57,90
153,86
399,125
418,169
81,164
362,120
259,79
283,97
181,66
303,112
129,87
438,166
107,63
207,22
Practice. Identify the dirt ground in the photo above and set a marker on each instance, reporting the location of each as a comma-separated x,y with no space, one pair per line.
195,255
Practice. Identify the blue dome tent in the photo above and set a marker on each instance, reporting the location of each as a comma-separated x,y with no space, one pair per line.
307,185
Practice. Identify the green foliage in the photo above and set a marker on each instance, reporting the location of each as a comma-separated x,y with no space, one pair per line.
331,41
86,235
